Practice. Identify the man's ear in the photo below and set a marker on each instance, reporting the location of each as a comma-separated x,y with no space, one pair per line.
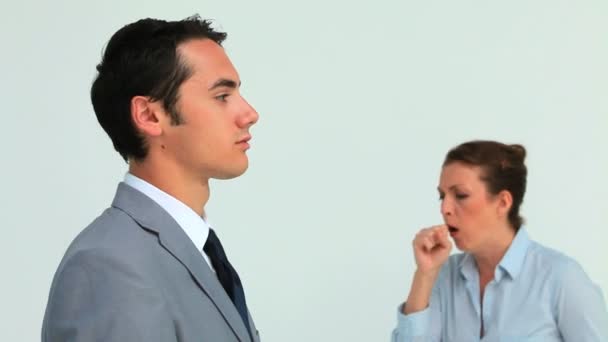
146,116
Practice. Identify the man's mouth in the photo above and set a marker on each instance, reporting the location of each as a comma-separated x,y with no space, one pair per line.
452,229
244,140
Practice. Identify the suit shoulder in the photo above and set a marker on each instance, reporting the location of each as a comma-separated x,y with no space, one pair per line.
112,228
112,235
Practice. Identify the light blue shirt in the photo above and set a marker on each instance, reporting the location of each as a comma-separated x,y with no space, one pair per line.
193,225
537,294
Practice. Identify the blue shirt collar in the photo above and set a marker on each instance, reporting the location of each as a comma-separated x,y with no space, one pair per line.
511,263
513,260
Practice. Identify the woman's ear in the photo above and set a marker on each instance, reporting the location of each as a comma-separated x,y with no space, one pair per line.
505,202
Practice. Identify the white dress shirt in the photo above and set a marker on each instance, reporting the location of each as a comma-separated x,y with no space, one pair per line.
194,226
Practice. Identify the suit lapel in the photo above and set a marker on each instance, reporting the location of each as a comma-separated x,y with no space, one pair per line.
173,238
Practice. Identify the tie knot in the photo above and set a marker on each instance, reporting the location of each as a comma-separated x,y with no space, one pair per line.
213,246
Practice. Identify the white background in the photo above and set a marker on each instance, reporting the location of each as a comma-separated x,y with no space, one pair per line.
359,102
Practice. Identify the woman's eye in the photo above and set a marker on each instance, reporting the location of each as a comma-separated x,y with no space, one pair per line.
461,196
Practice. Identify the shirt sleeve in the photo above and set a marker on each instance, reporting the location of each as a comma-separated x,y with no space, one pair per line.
580,307
421,326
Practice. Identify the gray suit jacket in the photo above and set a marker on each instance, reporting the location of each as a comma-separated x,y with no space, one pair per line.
134,275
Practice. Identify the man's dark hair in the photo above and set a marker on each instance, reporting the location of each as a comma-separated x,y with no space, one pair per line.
141,59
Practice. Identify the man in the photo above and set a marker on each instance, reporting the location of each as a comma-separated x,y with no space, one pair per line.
149,268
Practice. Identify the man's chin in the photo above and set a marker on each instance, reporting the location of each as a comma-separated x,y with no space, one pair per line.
231,173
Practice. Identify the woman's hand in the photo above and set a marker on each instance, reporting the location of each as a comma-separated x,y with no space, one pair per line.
432,248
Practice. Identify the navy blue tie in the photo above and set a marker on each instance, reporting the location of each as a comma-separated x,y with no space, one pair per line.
227,275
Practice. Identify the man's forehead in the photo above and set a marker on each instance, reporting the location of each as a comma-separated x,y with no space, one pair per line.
201,47
208,61
211,82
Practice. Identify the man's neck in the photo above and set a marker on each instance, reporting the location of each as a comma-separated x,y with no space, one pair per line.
191,190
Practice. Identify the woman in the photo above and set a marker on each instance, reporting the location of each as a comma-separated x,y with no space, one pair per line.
504,287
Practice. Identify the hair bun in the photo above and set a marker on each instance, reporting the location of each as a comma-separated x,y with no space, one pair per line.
518,151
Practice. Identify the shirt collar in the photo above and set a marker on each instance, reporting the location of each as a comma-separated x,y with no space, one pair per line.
193,225
511,263
467,267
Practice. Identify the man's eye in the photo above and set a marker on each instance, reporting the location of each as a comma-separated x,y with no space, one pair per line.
222,97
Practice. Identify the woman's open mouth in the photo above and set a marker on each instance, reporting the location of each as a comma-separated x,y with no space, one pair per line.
453,230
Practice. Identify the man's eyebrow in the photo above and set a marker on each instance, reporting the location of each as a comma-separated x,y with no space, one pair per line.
224,82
